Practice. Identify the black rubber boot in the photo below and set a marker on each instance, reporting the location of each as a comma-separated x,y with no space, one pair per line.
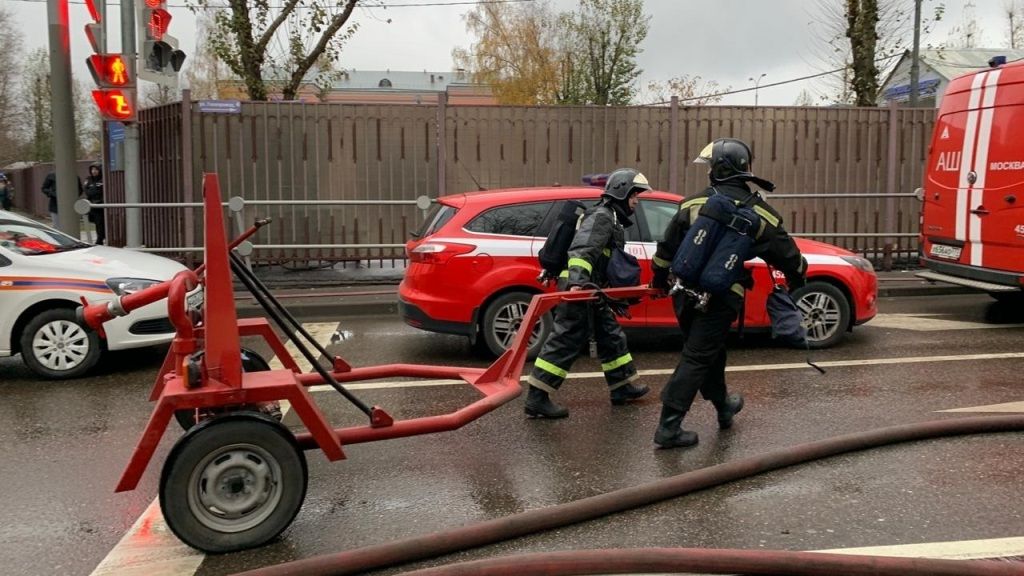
730,408
539,405
670,433
624,394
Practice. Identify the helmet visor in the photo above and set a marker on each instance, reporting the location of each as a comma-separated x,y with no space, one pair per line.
640,183
705,155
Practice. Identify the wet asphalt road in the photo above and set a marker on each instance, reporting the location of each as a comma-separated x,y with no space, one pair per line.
63,446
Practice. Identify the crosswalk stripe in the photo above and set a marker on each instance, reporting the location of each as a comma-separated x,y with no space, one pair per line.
1007,407
962,550
320,331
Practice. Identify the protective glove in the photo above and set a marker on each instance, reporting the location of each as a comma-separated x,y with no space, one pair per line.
660,280
796,281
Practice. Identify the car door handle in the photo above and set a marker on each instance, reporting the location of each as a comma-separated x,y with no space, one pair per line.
980,211
1010,199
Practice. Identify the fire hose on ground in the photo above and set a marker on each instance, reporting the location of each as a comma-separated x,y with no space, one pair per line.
417,548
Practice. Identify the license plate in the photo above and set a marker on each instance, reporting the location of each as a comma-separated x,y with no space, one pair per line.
943,251
194,301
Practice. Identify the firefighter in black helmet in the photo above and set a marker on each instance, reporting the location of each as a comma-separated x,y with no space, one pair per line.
702,365
601,229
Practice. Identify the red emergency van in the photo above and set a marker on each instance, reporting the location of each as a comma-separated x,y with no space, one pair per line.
972,225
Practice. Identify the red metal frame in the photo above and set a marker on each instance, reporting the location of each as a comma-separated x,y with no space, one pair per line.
223,384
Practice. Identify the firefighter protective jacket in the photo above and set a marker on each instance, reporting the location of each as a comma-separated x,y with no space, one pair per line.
771,241
601,230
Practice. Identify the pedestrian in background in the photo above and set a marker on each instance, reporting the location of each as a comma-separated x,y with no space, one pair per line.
94,194
705,327
6,192
601,230
50,190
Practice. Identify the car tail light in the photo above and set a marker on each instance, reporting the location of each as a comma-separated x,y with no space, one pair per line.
438,252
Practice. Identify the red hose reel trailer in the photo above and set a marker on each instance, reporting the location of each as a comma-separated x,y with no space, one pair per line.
237,477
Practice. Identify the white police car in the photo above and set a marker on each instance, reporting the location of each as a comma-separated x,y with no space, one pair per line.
43,275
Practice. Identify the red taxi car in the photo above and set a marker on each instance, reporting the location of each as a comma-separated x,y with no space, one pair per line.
473,270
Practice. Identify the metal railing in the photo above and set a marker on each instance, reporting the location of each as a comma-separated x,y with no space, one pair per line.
236,205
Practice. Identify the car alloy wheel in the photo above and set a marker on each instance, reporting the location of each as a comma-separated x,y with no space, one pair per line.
826,313
503,318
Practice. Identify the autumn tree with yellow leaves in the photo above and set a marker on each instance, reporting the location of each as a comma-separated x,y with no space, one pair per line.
529,54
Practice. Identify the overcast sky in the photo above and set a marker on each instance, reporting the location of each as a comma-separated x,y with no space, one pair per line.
729,41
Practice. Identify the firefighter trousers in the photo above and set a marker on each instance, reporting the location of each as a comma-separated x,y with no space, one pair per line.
702,365
569,336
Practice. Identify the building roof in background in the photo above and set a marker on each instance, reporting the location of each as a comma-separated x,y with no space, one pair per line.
950,63
400,80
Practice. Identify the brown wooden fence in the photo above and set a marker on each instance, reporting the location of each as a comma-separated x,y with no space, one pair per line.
299,151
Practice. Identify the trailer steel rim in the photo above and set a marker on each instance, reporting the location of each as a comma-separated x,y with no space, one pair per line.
235,488
60,345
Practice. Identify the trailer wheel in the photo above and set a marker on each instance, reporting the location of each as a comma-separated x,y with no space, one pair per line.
251,362
232,483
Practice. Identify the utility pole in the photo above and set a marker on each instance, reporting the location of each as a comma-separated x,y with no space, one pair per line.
915,68
132,170
62,112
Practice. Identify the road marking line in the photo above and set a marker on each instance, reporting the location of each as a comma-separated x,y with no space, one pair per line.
320,331
746,368
1007,407
931,323
149,548
962,550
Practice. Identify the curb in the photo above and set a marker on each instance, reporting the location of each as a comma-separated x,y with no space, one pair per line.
903,291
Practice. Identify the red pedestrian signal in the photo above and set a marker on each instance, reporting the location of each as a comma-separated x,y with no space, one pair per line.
118,105
114,74
159,21
110,70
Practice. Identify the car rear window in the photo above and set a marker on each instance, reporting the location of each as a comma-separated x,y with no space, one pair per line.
513,220
438,215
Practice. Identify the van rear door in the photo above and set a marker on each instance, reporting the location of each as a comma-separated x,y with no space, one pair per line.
974,193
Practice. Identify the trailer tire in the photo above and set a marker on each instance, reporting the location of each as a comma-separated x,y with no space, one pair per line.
232,483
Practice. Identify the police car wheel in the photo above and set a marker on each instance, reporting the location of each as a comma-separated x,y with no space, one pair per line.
55,345
826,313
501,319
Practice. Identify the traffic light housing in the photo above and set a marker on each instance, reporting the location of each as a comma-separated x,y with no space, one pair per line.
116,104
160,61
162,57
111,70
114,74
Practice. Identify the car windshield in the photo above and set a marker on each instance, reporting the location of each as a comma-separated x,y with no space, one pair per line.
31,239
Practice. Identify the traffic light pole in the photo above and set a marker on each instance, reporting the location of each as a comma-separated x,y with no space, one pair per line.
132,169
63,117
